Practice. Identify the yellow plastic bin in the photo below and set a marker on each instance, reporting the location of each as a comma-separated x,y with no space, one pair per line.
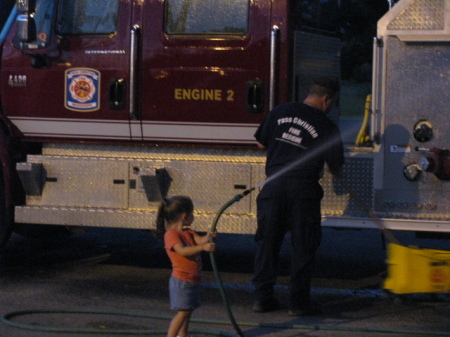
416,270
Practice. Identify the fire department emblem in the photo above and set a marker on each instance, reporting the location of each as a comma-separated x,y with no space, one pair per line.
82,89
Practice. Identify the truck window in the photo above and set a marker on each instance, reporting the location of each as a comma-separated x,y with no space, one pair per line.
43,18
224,17
79,17
320,15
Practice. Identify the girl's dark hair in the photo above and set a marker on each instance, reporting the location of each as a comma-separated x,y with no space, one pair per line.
170,210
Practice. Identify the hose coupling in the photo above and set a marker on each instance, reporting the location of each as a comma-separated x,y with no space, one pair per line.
246,192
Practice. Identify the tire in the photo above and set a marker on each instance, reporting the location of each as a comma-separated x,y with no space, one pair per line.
41,231
5,215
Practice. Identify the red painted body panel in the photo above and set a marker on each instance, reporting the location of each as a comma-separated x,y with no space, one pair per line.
176,65
190,88
43,94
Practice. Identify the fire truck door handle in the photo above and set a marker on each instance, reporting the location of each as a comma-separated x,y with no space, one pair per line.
376,83
117,94
255,96
135,34
273,56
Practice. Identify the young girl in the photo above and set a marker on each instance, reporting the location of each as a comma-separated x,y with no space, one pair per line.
183,245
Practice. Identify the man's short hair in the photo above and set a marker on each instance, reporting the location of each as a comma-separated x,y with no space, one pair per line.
325,86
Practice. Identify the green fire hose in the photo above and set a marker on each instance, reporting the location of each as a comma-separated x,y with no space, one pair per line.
213,259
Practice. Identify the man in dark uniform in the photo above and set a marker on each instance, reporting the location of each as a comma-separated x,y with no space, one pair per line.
300,139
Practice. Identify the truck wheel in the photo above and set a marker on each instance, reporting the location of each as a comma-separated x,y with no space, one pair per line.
41,231
5,228
5,215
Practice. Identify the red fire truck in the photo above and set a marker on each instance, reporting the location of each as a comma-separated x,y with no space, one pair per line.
108,105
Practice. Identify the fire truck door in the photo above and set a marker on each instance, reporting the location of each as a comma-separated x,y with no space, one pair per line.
204,70
75,87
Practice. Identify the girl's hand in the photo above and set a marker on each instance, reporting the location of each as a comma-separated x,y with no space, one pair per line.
201,240
209,247
211,234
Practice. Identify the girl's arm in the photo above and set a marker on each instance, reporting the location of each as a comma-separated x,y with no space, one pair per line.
203,239
192,250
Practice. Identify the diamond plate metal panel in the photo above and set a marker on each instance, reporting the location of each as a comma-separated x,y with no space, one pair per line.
211,184
423,204
81,216
258,178
137,196
228,223
417,82
350,196
417,21
86,182
211,178
82,194
420,15
145,220
156,152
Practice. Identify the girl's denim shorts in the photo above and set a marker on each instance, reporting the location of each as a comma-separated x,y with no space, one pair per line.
183,295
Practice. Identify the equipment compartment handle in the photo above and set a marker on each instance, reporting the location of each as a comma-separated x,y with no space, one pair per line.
117,94
255,96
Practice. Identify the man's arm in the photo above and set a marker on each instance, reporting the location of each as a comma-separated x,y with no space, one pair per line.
260,146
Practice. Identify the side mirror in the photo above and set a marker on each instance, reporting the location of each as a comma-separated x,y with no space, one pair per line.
34,25
26,6
26,28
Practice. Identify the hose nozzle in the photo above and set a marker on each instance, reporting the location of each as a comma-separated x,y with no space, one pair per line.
246,192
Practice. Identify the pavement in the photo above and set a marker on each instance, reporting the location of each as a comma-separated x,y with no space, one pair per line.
117,285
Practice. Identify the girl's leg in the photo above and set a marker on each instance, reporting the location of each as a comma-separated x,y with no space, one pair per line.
184,328
179,324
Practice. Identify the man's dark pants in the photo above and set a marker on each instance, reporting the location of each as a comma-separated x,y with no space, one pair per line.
284,206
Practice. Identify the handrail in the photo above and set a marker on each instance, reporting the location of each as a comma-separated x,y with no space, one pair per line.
377,43
133,64
5,30
273,52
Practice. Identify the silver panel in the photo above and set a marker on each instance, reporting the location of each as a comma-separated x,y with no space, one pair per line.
83,194
420,14
98,217
211,184
84,216
203,222
417,20
137,197
352,195
415,82
86,182
32,176
156,152
417,78
258,178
